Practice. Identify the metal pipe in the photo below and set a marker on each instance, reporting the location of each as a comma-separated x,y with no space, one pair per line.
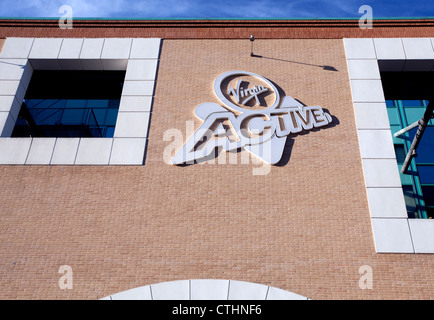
407,128
422,125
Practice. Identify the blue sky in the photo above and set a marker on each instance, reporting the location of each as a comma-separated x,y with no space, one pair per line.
216,9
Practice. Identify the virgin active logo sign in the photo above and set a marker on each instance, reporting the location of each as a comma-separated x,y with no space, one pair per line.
252,117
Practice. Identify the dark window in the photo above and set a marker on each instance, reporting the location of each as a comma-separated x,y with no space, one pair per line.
70,104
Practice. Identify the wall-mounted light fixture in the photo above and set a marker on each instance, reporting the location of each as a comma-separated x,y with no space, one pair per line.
252,38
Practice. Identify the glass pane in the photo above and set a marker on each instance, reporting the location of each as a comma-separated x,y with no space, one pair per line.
100,115
410,201
426,174
428,196
110,132
425,150
112,116
44,103
390,103
83,104
46,116
114,103
98,104
413,114
400,153
397,140
412,103
74,116
406,179
393,116
75,103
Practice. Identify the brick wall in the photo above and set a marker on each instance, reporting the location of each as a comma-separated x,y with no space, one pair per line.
218,29
303,227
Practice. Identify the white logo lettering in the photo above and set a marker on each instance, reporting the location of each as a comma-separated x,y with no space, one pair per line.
242,93
261,132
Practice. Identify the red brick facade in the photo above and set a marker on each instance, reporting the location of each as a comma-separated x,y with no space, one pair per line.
218,29
304,227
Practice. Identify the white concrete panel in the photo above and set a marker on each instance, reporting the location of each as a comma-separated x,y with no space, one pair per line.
94,151
389,49
128,151
69,54
279,294
392,236
142,293
148,48
381,173
45,64
12,69
10,104
141,70
70,64
132,125
138,88
363,69
45,48
90,55
420,54
240,290
6,103
7,123
21,92
209,289
376,144
9,87
92,49
422,233
386,203
359,48
135,103
71,48
175,290
27,75
41,151
65,151
91,64
116,48
367,91
114,64
371,116
418,48
418,65
17,48
12,88
14,150
391,65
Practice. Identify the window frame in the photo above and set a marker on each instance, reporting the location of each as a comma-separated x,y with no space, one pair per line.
393,231
139,57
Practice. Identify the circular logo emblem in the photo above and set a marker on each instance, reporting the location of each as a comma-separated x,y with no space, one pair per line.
246,92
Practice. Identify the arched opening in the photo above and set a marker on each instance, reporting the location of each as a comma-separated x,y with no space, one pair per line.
205,289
